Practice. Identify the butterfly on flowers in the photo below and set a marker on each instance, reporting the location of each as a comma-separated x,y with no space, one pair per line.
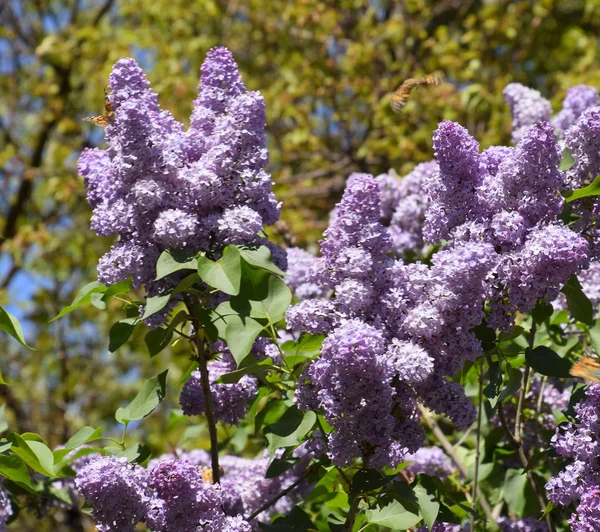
105,119
401,94
587,367
207,473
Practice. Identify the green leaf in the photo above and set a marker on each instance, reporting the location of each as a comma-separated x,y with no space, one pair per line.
35,454
2,381
279,466
253,368
3,422
542,312
174,260
547,362
155,304
240,334
493,389
296,521
158,339
365,481
429,504
273,305
579,305
83,296
225,274
114,289
514,490
567,161
592,189
10,325
515,332
393,515
13,468
290,429
306,348
259,257
514,383
83,435
120,332
147,399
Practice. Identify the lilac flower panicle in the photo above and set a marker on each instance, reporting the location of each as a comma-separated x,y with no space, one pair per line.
118,492
527,106
159,187
579,481
188,500
431,461
583,141
578,99
298,274
451,191
6,509
406,225
528,524
230,401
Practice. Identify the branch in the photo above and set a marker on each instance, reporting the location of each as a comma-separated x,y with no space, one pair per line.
281,494
477,443
451,452
208,402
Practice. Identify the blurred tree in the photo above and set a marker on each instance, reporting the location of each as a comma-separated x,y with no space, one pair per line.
326,70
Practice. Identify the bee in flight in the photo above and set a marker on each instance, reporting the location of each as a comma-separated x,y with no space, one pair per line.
401,94
105,119
587,367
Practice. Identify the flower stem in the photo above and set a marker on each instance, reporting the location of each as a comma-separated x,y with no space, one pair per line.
451,452
202,360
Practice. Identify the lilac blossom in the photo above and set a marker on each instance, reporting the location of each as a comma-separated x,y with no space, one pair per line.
579,481
298,279
119,492
431,461
406,225
230,401
527,107
159,187
578,99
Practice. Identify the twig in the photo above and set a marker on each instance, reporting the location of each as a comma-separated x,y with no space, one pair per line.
516,439
478,441
208,402
451,452
282,493
351,515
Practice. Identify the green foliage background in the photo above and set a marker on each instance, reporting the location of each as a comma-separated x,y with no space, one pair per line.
326,70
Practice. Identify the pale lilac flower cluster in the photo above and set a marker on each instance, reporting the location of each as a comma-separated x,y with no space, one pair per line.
170,497
431,461
509,198
395,332
299,264
230,401
403,207
6,509
158,186
527,106
528,524
579,481
244,488
578,99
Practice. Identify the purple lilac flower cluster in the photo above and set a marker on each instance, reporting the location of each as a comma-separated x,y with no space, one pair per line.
430,461
170,497
158,186
6,509
578,99
508,198
230,401
579,481
527,106
528,524
299,265
243,486
403,207
395,332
